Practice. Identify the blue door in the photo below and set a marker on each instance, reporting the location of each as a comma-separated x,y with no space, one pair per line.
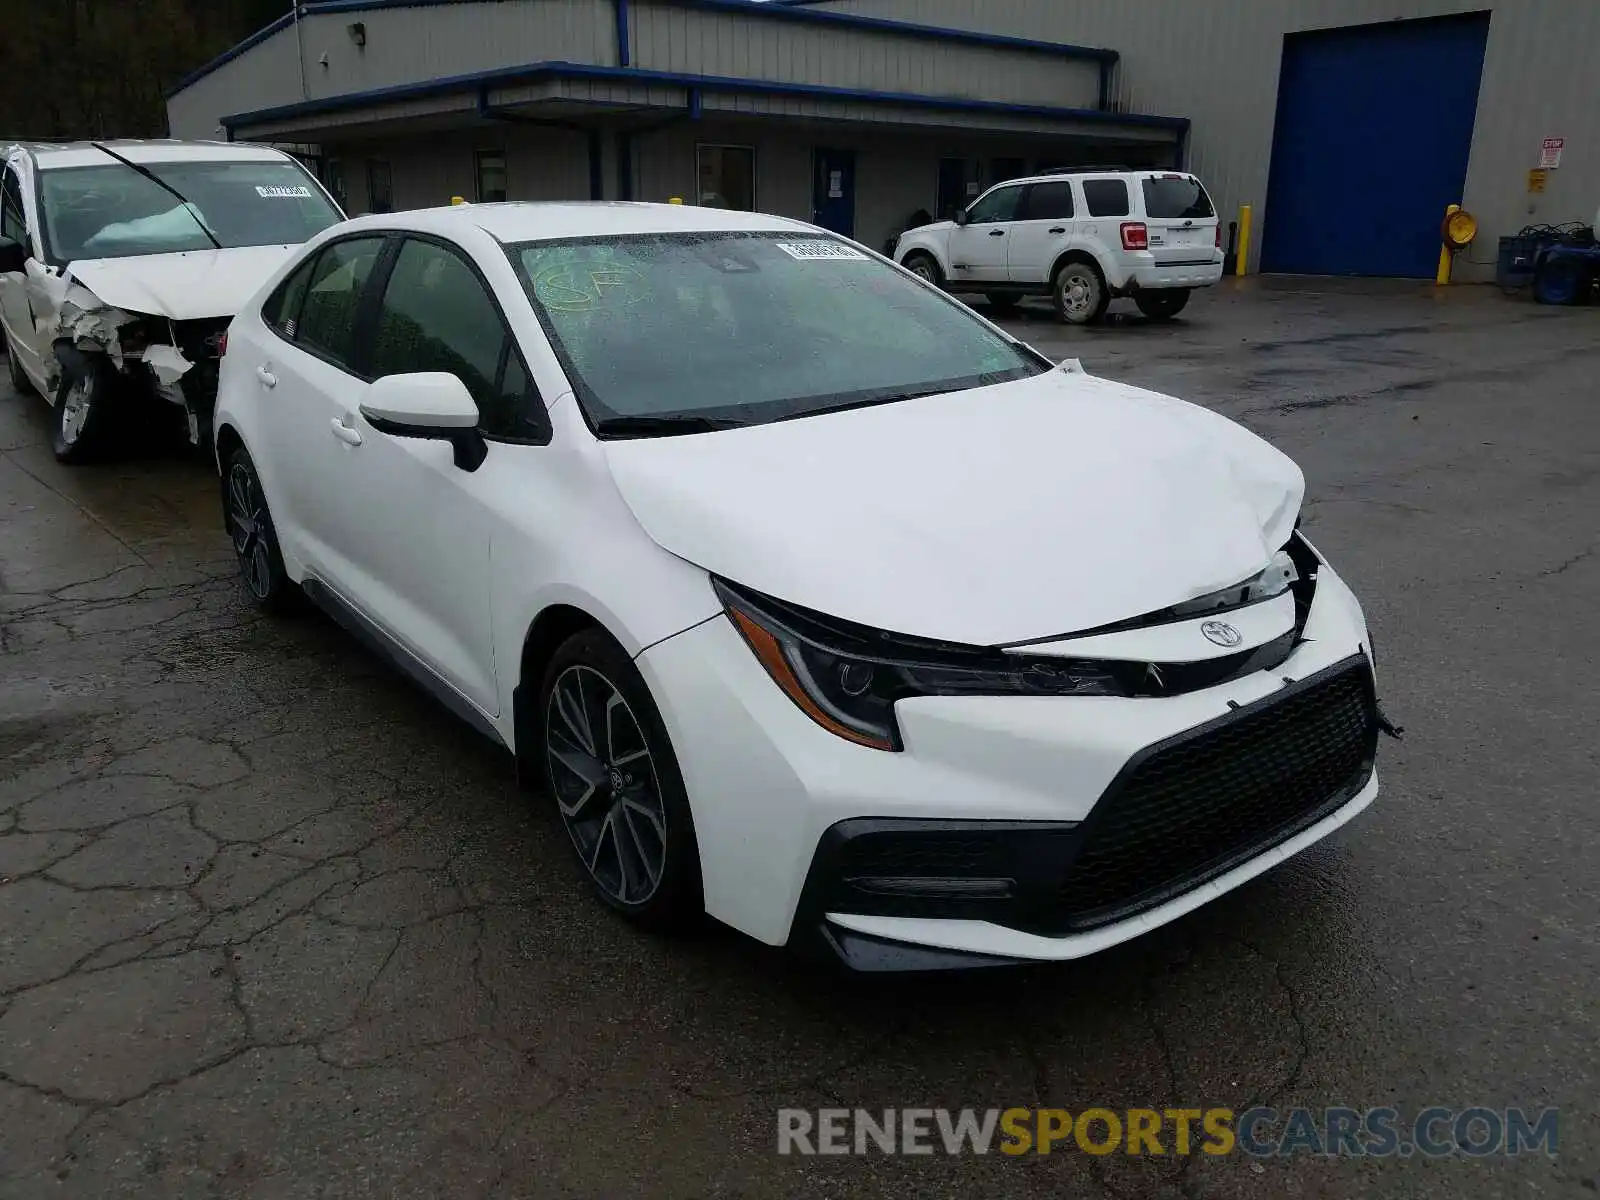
1373,133
833,201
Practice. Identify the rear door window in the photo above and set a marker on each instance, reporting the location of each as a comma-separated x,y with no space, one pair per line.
1176,197
333,297
1048,202
1106,197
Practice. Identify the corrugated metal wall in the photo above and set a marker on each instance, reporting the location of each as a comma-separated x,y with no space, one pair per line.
403,45
668,37
1217,63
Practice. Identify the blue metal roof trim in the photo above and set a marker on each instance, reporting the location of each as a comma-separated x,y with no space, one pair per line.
482,80
227,56
783,10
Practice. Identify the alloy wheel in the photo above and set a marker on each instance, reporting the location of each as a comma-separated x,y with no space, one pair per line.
245,521
923,269
75,406
605,784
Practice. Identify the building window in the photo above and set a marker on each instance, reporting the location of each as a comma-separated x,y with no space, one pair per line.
727,177
958,185
380,186
1007,169
491,172
336,184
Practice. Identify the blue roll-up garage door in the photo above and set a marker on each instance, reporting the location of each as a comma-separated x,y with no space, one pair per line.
1373,133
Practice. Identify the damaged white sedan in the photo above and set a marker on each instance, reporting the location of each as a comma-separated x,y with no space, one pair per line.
121,265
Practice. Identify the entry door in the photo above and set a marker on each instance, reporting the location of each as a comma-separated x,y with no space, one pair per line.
833,203
1373,134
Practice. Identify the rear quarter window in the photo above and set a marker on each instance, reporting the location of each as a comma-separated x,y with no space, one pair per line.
1106,197
1176,196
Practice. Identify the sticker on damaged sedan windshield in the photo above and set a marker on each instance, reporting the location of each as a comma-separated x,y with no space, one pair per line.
834,251
302,192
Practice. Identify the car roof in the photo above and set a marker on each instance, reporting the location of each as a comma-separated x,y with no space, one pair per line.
546,221
1102,172
50,155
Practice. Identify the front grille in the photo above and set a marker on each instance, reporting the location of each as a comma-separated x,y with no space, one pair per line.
1206,801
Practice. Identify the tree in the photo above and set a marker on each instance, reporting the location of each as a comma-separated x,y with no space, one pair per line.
101,68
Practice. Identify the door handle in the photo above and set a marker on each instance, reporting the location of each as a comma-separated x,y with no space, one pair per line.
997,233
1059,229
268,379
347,435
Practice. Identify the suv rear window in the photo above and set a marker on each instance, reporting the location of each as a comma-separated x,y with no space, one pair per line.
1176,196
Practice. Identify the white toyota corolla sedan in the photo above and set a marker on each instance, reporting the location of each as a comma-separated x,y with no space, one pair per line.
813,600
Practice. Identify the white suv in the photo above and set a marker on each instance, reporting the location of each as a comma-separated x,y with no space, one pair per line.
121,264
1083,239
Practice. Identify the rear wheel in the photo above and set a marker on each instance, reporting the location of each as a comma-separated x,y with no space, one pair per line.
1003,303
1162,305
924,267
616,783
1079,293
255,541
83,412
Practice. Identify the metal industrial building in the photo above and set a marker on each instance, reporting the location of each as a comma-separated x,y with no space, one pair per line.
1347,125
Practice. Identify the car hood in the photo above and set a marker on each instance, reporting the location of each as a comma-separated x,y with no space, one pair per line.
1003,514
181,286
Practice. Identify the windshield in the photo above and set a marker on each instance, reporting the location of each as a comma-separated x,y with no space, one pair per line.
112,211
748,328
1176,196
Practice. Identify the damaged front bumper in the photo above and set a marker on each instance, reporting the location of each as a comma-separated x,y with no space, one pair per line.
153,358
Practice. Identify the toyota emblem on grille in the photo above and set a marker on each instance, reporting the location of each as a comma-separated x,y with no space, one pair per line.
1221,633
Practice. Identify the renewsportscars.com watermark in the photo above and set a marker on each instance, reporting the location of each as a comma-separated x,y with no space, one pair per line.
1260,1132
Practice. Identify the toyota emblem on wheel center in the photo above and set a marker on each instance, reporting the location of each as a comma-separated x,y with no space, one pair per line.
1221,633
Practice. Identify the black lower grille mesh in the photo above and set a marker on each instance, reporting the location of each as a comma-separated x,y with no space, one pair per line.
1201,805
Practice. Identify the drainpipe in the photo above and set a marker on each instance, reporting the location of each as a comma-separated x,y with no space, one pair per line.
624,54
300,47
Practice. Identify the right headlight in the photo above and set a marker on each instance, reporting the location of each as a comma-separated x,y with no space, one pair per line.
847,677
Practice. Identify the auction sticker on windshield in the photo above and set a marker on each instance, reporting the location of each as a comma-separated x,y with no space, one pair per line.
290,193
820,250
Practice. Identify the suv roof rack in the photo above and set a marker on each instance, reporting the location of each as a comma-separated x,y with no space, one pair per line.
1088,167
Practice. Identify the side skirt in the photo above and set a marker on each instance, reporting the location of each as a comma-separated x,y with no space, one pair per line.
408,664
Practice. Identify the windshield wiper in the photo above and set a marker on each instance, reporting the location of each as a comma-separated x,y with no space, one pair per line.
662,426
164,186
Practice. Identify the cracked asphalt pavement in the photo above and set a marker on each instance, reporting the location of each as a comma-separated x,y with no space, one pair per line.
273,924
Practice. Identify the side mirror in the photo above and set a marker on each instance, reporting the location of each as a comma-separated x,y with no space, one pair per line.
13,257
428,404
961,216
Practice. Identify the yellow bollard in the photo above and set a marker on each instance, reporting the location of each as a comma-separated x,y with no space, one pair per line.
1242,262
454,200
676,200
1442,275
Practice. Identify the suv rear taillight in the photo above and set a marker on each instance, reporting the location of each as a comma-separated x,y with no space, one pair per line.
1219,235
1135,236
222,343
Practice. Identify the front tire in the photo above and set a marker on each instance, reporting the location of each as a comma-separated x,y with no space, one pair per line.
616,783
82,412
1079,293
922,265
1162,305
255,541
